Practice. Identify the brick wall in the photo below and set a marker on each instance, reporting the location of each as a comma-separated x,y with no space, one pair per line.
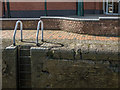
101,27
26,6
93,5
54,5
40,5
28,9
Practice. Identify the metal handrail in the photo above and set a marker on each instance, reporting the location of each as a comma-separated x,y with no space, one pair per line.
21,27
38,27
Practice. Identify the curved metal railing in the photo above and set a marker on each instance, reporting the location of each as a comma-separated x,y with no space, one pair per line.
21,27
38,27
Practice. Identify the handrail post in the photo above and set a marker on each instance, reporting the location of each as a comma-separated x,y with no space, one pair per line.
15,30
38,27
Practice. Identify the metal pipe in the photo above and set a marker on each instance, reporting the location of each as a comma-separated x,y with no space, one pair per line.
21,27
8,8
80,8
45,7
38,27
107,7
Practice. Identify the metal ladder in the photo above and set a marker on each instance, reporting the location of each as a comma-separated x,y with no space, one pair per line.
21,28
38,27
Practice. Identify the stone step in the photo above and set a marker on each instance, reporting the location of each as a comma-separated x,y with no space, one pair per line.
25,87
24,83
25,60
24,72
26,76
25,67
24,52
25,46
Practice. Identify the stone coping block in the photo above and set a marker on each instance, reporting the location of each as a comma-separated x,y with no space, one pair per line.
11,47
80,51
9,63
63,53
100,52
56,53
65,18
38,53
39,49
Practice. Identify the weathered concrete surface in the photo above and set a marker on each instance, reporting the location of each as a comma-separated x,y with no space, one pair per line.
49,70
63,53
6,43
9,61
98,51
38,56
72,63
78,74
82,74
86,50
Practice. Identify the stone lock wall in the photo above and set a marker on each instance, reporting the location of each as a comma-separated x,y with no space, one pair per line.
84,66
69,68
93,27
79,65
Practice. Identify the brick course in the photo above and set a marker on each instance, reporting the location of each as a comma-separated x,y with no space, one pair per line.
54,5
101,27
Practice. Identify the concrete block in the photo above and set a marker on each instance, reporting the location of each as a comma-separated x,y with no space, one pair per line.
101,52
38,52
75,74
63,53
9,60
38,57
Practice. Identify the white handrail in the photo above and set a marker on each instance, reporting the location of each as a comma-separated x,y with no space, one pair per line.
38,27
21,27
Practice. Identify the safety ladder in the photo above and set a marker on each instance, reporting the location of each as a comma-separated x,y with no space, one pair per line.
24,57
21,28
